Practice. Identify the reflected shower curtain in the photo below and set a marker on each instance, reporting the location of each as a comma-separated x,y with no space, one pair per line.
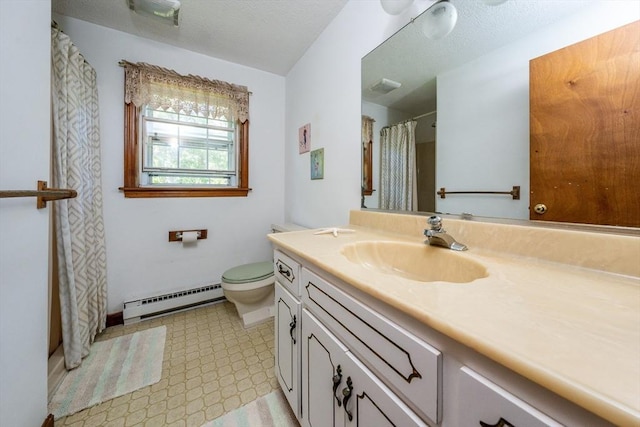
78,222
398,189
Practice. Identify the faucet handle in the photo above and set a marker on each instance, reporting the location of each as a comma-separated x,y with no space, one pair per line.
435,222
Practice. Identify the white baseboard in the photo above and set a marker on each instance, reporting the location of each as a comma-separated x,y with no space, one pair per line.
57,371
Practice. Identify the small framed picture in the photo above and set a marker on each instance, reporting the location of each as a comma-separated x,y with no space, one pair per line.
304,138
317,164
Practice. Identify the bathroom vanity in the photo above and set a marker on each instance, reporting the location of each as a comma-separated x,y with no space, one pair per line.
376,328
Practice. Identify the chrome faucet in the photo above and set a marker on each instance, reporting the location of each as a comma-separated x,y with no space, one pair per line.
437,236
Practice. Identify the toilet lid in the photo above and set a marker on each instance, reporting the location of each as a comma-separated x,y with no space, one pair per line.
248,272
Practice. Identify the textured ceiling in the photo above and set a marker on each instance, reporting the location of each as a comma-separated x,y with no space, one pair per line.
270,35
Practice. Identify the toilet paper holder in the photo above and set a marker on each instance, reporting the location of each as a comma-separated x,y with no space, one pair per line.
176,236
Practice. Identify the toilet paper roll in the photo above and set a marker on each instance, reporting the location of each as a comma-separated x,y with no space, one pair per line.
189,237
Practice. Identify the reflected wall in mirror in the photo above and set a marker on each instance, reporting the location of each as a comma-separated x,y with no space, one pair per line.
469,94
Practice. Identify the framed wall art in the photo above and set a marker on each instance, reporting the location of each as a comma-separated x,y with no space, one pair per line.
317,164
304,138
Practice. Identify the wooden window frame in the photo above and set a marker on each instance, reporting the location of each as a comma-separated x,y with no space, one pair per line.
367,168
132,188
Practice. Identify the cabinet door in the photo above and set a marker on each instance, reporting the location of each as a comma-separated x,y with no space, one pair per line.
323,378
339,391
287,346
368,402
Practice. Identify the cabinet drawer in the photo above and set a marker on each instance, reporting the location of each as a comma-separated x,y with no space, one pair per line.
481,402
287,272
408,365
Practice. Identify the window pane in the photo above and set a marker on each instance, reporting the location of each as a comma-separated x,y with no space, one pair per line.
160,114
219,160
188,180
222,135
221,123
192,158
192,132
198,120
161,129
163,156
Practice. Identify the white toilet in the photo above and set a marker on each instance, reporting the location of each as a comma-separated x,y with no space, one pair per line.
250,287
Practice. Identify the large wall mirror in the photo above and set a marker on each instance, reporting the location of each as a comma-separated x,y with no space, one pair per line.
468,95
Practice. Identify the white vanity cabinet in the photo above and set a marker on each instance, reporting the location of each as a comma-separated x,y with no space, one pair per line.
338,390
287,328
344,358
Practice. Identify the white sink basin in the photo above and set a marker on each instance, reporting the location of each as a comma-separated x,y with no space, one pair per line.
419,262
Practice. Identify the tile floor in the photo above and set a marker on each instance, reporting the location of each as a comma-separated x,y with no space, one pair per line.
211,366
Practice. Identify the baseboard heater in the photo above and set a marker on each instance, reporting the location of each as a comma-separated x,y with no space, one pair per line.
160,305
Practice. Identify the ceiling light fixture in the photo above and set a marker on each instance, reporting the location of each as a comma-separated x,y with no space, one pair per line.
439,20
395,7
385,86
165,10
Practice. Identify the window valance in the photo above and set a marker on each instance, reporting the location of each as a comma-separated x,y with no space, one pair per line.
165,89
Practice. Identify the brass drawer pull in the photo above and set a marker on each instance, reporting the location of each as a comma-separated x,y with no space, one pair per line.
337,379
501,423
346,392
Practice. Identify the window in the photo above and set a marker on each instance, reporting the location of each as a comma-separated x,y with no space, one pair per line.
185,136
180,149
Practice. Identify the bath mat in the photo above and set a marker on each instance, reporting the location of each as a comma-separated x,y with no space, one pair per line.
113,367
271,410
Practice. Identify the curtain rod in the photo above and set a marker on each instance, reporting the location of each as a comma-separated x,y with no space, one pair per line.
424,115
413,118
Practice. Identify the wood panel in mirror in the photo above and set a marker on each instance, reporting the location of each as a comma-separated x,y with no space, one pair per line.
367,168
367,156
585,131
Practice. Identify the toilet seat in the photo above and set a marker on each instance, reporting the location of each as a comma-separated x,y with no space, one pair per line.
249,276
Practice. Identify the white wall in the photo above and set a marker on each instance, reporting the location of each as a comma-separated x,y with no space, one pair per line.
25,41
140,259
323,89
483,114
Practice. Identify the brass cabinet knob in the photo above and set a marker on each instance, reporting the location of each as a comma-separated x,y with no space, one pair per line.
540,208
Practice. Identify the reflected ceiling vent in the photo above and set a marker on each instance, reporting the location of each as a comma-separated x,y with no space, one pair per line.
385,86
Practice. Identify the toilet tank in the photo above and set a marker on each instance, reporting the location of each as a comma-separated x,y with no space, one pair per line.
287,226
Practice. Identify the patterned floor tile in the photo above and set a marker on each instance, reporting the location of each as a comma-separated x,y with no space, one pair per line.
212,365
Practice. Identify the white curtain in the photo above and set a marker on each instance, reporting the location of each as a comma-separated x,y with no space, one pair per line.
398,189
78,222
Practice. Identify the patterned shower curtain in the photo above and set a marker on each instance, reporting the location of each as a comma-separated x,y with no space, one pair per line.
78,222
398,189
